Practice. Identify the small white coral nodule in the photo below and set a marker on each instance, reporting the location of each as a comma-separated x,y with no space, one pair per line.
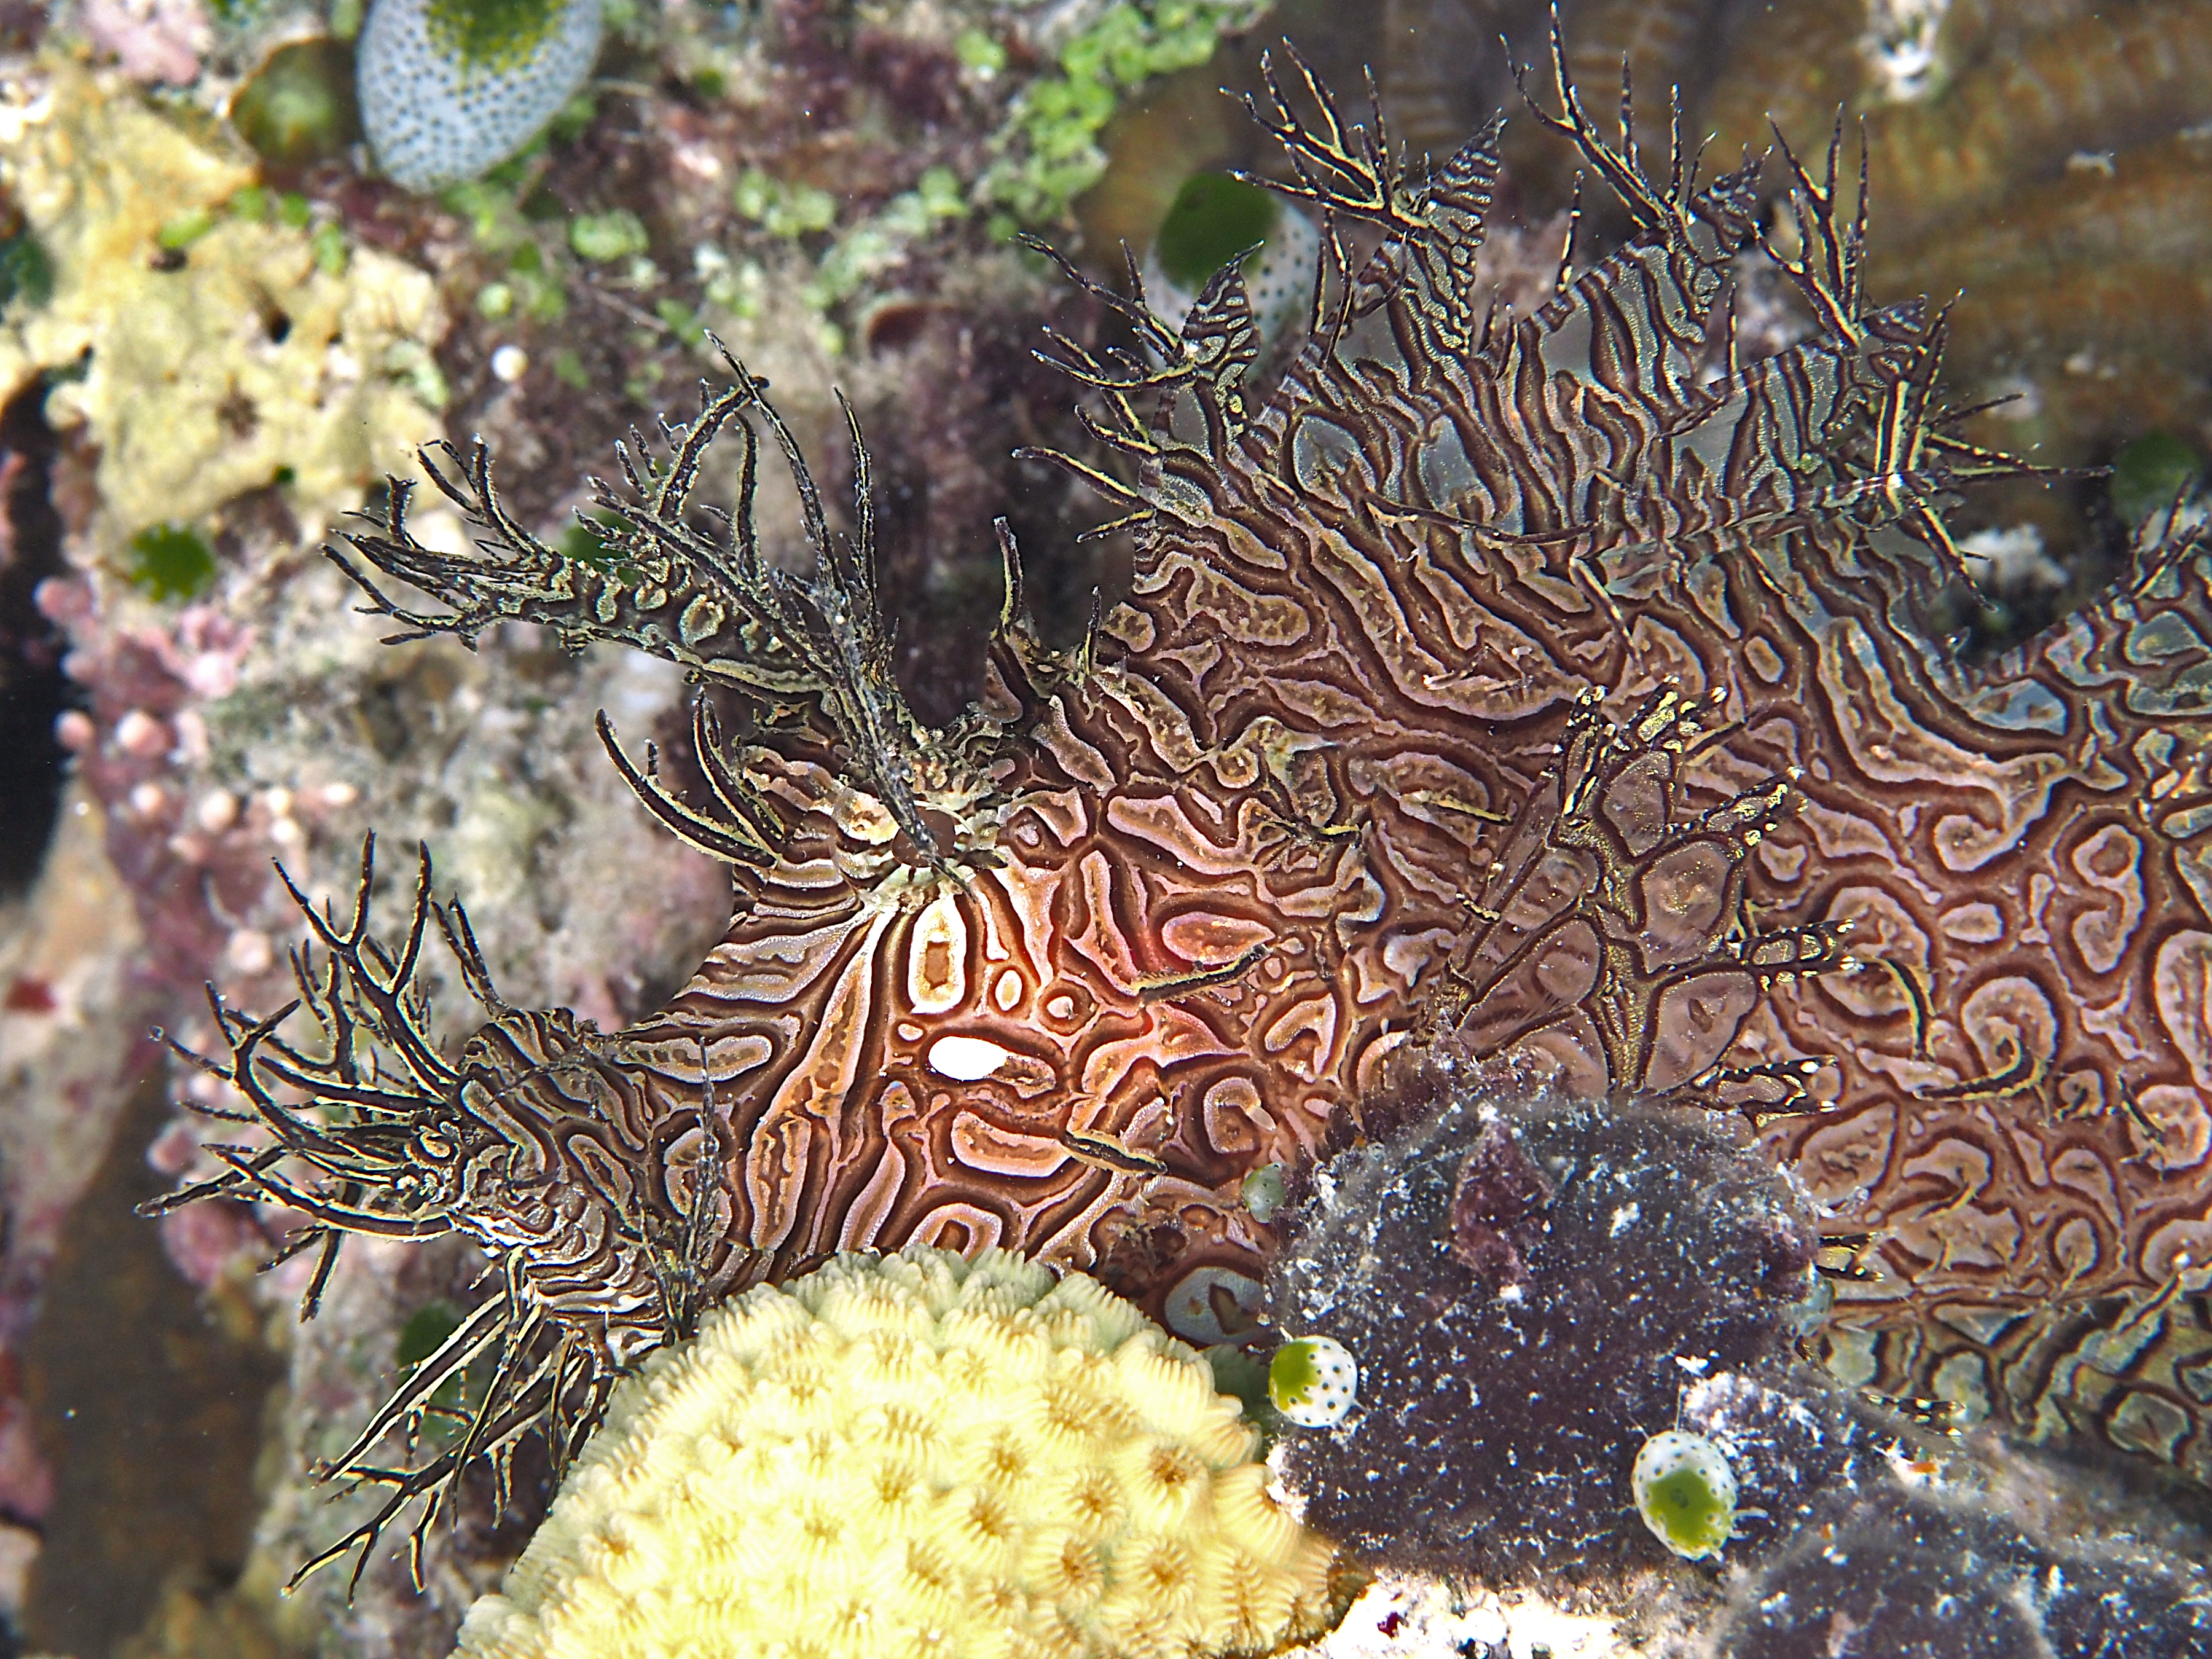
432,116
915,1454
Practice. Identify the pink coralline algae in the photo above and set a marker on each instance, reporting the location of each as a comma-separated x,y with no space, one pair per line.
133,745
153,40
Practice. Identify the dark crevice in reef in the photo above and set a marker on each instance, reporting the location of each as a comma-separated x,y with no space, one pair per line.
2083,550
32,689
150,1405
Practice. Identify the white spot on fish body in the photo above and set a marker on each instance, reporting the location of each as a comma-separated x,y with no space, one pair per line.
966,1059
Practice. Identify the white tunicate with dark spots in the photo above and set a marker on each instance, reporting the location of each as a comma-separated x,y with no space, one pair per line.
1686,1491
1314,1382
432,121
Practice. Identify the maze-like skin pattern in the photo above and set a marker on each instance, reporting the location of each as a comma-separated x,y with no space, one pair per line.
1548,691
1359,627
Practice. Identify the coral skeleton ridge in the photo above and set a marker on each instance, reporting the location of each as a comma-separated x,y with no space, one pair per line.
915,1454
1551,693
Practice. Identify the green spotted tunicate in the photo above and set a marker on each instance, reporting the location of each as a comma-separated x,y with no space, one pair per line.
489,34
1313,1382
2150,473
1214,218
423,1334
1262,1192
426,1330
449,88
1686,1493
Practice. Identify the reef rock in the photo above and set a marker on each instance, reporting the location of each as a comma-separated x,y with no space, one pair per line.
1530,1288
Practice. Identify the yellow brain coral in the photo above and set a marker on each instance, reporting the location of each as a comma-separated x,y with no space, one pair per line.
914,1455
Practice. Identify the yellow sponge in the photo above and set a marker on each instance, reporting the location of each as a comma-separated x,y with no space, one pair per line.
915,1456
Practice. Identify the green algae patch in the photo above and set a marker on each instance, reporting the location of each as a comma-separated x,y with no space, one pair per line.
781,208
171,561
186,228
1048,150
606,237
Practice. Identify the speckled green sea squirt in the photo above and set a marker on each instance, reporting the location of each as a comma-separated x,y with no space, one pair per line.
450,87
1218,217
1314,1382
2152,473
1214,218
1686,1493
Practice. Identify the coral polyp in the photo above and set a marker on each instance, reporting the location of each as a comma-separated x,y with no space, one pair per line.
1549,694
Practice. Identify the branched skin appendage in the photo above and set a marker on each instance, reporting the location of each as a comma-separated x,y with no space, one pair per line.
1611,933
366,1128
688,582
1546,690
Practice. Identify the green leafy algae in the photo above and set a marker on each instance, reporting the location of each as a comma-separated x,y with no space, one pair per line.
781,208
979,51
1049,150
183,230
606,237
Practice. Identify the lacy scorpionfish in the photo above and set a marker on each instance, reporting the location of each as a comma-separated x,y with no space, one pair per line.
1549,691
